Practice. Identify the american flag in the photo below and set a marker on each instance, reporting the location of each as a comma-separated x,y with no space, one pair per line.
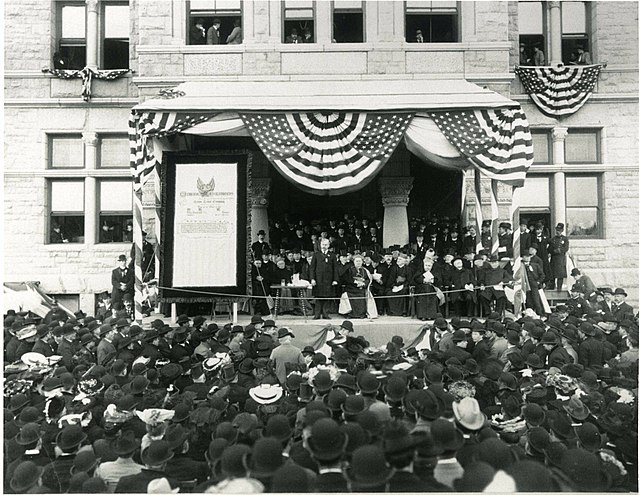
559,91
497,142
155,124
327,153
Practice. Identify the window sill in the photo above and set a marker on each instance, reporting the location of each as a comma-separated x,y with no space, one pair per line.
74,246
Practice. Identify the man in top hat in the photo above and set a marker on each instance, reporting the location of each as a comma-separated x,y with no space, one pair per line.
558,247
621,309
535,280
324,279
259,247
286,356
121,281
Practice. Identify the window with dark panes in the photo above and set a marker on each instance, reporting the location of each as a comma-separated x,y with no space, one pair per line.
531,28
348,21
202,13
66,207
299,21
575,33
116,211
541,146
583,205
66,151
114,151
115,41
431,22
72,35
582,146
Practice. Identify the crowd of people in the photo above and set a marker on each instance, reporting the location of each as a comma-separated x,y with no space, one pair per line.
103,405
442,264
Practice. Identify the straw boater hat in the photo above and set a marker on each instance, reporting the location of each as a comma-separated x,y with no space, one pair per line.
266,393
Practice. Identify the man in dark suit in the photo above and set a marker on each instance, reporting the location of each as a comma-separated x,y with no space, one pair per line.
525,237
535,278
197,33
213,34
121,281
621,309
260,246
155,458
324,277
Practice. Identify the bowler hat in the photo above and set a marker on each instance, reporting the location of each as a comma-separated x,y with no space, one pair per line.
104,329
278,427
71,436
367,382
121,323
266,457
560,226
395,388
232,462
496,453
125,443
369,467
327,442
533,414
446,435
538,439
549,338
559,424
29,433
308,350
396,438
353,404
334,399
29,414
249,331
477,476
290,478
459,336
347,325
25,476
554,452
175,435
139,384
441,323
589,436
620,291
255,319
158,452
84,462
284,332
182,319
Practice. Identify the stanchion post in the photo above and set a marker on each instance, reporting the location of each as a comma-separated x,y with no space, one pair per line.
235,312
174,313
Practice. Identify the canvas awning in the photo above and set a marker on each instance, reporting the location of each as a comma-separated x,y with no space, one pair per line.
333,95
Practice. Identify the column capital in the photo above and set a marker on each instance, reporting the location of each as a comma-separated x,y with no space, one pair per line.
92,5
90,138
554,4
559,133
395,190
260,189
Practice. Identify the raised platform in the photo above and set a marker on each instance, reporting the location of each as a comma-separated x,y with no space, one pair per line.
377,331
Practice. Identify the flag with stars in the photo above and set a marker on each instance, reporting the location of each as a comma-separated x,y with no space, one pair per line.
496,141
559,91
327,153
155,124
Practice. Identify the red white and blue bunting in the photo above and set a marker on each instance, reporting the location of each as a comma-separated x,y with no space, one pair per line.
559,91
328,153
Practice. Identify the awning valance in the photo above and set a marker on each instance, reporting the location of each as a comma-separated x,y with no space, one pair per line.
303,96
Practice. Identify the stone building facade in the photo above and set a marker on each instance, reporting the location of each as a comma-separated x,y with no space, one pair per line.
66,159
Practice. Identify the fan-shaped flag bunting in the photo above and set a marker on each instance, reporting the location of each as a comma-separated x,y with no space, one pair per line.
327,153
497,142
559,91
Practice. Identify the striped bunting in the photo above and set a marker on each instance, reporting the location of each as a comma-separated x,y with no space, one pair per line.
154,124
559,91
327,153
497,141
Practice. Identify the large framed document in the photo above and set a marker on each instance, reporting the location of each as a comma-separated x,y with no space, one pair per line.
204,225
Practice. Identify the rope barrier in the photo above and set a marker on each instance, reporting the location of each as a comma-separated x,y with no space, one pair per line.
222,294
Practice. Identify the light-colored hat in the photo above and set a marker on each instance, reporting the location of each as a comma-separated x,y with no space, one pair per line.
266,393
468,413
161,485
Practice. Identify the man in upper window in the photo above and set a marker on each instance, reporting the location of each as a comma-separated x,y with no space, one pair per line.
584,58
293,37
213,34
198,34
121,281
538,56
419,37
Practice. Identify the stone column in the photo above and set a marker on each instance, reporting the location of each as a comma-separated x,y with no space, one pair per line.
395,198
555,34
90,188
260,189
559,135
275,22
92,34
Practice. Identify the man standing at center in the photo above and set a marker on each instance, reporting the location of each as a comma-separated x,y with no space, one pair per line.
213,34
324,277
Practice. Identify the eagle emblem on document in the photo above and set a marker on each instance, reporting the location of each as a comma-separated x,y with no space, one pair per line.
206,188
